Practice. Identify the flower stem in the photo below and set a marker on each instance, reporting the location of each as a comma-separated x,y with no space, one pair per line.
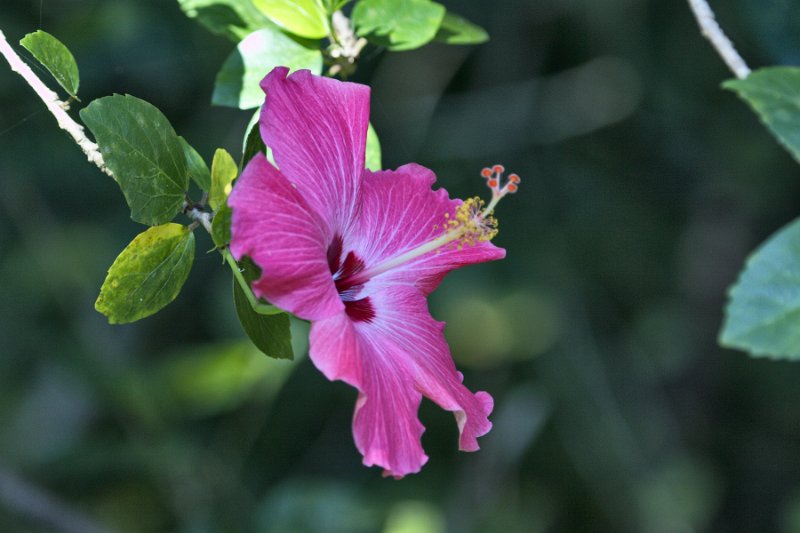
204,219
259,307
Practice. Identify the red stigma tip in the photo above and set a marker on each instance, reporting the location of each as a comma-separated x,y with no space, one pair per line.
499,185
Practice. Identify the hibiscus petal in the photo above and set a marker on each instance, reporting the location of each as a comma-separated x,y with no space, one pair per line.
402,317
274,226
386,429
392,358
400,211
317,130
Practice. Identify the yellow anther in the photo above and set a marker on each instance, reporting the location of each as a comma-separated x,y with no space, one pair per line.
472,223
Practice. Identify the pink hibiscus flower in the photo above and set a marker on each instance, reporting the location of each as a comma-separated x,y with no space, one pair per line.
356,252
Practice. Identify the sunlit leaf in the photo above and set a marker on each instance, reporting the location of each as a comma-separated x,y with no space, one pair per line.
234,19
196,166
763,312
55,57
774,94
223,172
148,274
332,6
398,24
144,154
270,333
373,153
458,30
306,18
237,83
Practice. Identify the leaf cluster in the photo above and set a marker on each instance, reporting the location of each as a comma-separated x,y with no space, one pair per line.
155,167
301,34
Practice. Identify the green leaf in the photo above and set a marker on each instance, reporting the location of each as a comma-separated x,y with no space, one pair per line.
270,333
458,30
373,153
774,94
223,172
234,19
306,18
221,226
55,57
237,83
398,24
143,152
253,143
148,274
197,168
763,312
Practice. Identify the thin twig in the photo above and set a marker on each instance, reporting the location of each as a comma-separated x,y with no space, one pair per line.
724,47
202,217
56,107
258,307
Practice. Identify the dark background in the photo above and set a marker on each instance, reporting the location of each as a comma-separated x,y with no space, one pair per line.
644,187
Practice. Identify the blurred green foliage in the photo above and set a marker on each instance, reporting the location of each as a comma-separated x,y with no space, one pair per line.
644,186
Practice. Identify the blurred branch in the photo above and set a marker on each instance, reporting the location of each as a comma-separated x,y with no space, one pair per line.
56,107
36,504
712,31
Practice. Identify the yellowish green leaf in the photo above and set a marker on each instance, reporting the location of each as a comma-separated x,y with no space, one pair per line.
306,18
148,274
223,172
373,153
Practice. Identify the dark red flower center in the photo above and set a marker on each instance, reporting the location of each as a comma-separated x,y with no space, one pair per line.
344,276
